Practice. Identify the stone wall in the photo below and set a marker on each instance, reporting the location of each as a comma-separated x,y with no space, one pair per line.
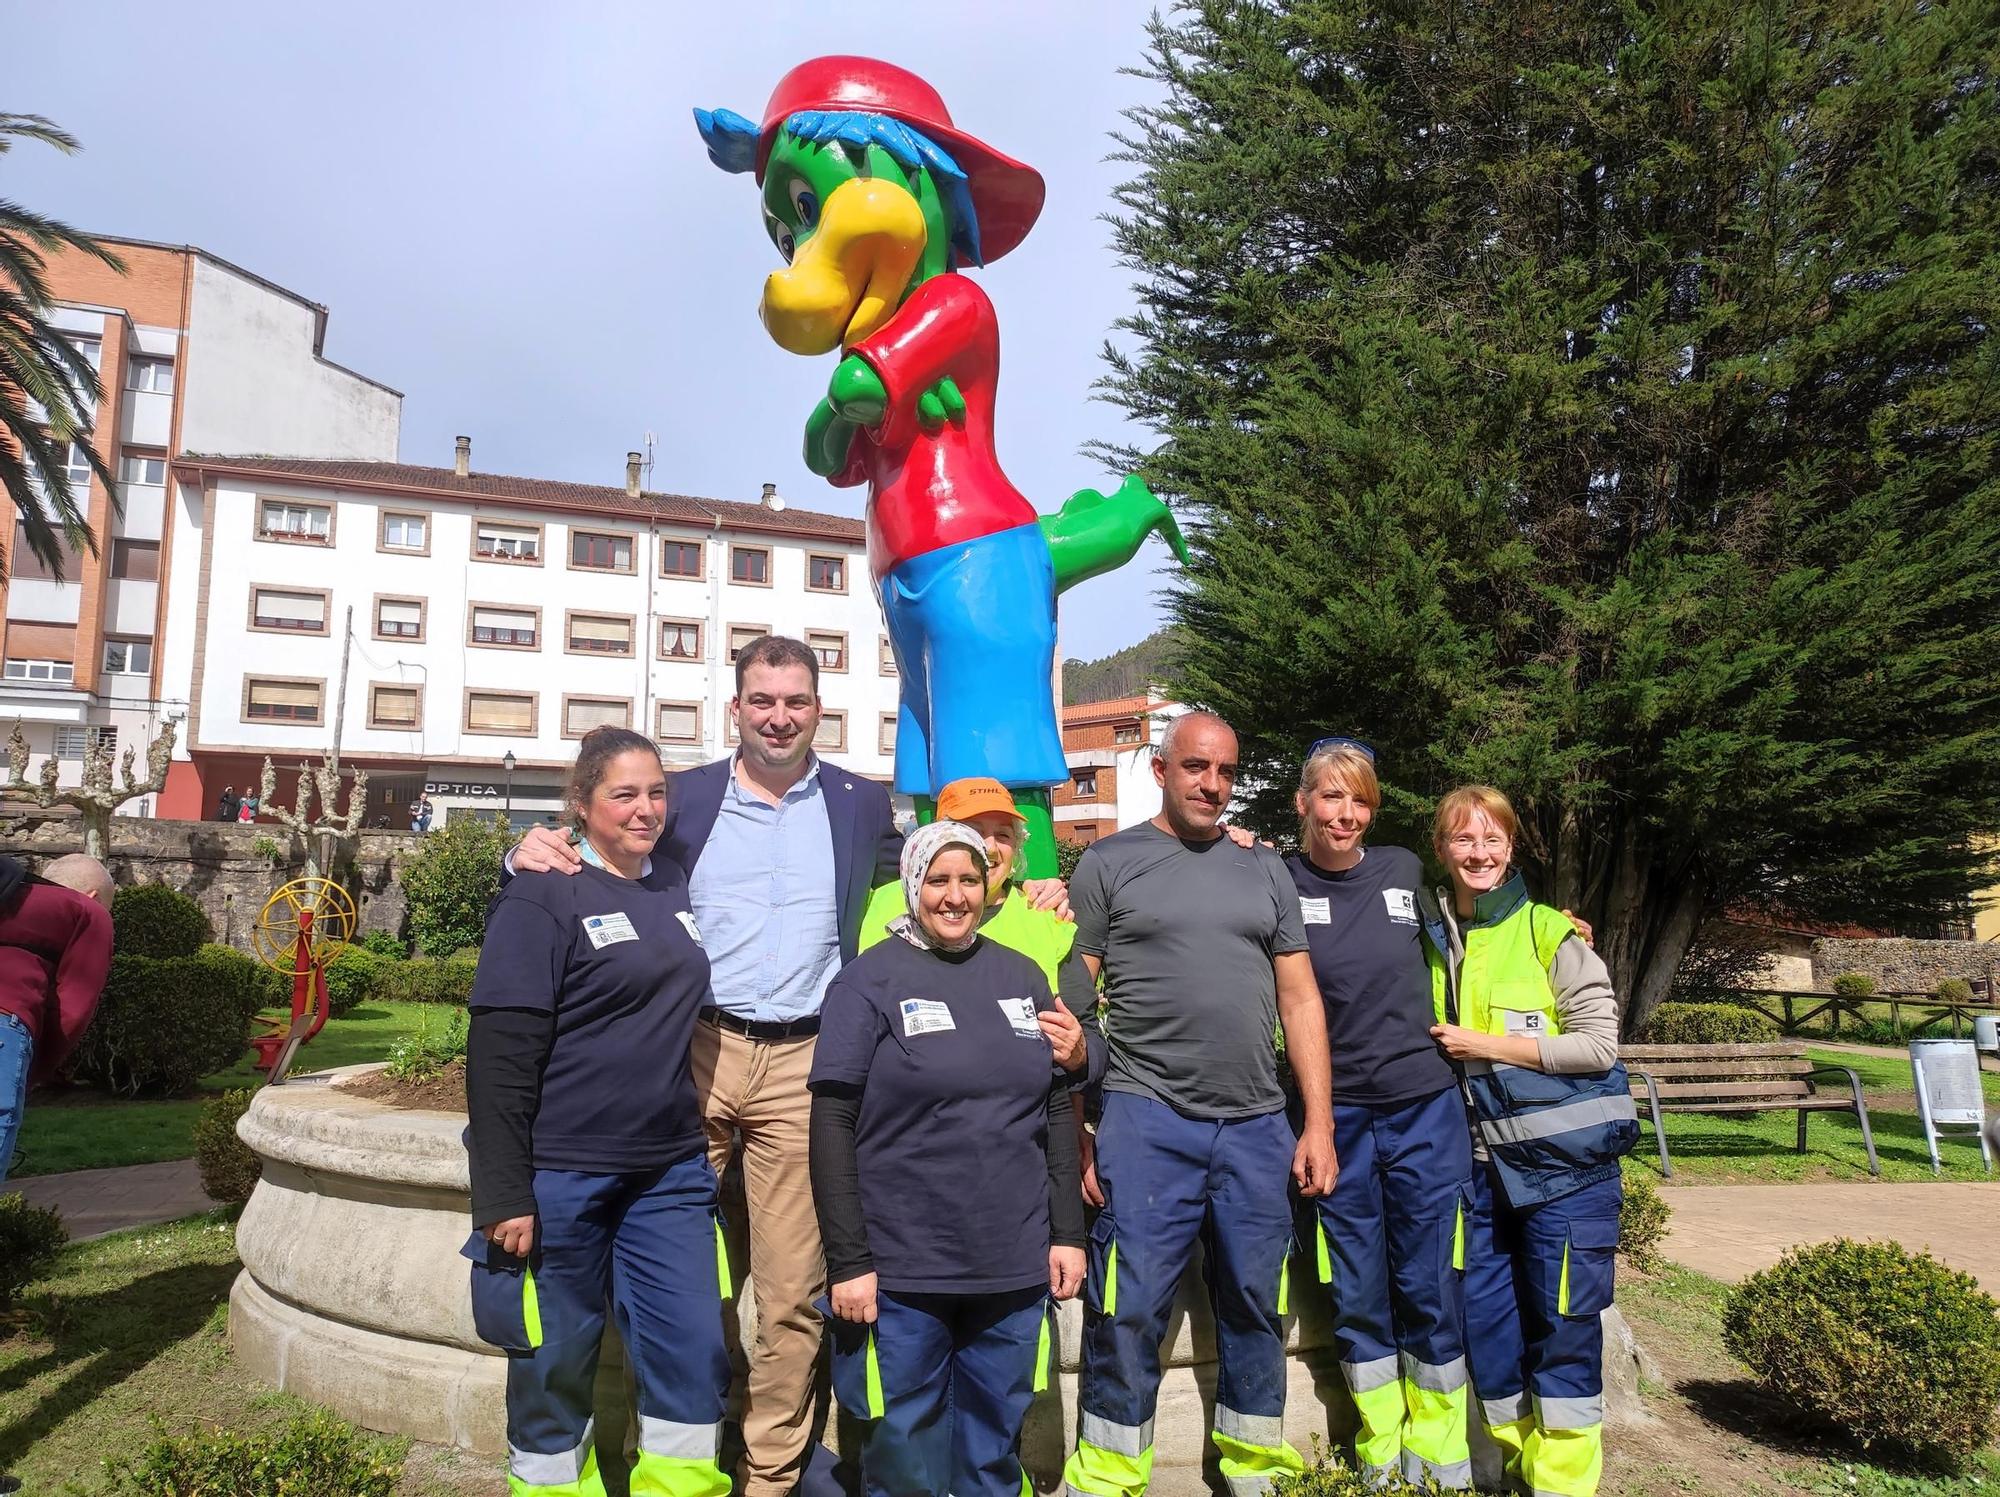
226,866
1901,965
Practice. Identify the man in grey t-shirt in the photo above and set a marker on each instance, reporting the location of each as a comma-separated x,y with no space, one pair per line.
1202,952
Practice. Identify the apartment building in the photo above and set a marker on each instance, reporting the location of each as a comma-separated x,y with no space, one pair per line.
193,352
438,625
1109,746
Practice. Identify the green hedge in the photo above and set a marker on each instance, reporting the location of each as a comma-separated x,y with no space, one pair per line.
424,979
165,1023
1707,1024
1893,1348
315,1455
351,978
30,1239
451,880
153,920
253,983
229,1170
1643,1218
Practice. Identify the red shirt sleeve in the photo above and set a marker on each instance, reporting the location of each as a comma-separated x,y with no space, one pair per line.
80,974
947,327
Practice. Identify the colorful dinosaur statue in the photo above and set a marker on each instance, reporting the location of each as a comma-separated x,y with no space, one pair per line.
876,201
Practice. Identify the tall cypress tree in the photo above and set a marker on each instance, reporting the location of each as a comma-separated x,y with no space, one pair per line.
1596,400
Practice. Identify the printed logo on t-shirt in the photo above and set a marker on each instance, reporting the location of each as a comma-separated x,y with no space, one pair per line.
1402,905
1316,911
1020,1014
687,923
925,1016
609,930
1529,1022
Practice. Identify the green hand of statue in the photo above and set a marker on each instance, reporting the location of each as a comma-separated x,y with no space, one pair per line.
827,439
942,402
1096,533
856,392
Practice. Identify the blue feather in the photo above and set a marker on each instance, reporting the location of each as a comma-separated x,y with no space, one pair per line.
730,138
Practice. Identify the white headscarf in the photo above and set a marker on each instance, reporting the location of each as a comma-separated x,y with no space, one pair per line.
919,852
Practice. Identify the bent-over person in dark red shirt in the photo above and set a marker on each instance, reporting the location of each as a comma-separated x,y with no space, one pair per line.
55,950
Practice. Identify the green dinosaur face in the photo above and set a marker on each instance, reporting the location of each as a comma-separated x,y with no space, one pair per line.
857,232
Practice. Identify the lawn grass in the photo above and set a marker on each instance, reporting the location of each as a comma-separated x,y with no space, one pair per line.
79,1129
1760,1148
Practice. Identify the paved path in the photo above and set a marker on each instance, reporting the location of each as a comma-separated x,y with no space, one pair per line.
1729,1231
93,1202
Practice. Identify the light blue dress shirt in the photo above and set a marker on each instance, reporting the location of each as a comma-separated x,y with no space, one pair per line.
763,894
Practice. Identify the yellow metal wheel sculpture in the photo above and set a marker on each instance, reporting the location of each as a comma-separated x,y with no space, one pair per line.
328,930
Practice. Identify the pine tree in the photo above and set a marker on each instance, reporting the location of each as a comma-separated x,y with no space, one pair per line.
1598,401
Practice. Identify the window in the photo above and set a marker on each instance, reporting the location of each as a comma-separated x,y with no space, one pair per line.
405,532
135,561
1083,782
826,574
281,699
503,712
885,734
299,610
76,468
885,657
510,628
75,742
495,542
39,670
750,565
91,348
742,636
395,708
680,558
289,520
136,467
128,657
581,714
600,634
600,552
399,618
832,732
680,639
830,647
144,372
1125,733
680,722
24,563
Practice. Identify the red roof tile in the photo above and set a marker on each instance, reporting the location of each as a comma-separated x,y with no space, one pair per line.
1084,712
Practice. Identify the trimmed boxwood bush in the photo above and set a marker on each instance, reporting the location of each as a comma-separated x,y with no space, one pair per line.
1707,1024
316,1455
1642,1222
1890,1347
153,920
1953,990
424,979
163,1024
1854,985
382,943
30,1238
255,985
1328,1475
229,1171
351,977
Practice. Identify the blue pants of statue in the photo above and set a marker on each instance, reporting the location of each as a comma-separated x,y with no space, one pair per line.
1389,1239
1536,1280
1170,1181
974,628
17,1054
646,1245
944,1382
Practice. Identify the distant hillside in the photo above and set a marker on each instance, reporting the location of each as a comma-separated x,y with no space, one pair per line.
1124,674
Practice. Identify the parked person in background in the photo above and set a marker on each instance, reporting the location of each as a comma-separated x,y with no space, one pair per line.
944,1170
425,812
589,1167
246,810
1203,955
55,951
226,806
1528,1012
1390,1233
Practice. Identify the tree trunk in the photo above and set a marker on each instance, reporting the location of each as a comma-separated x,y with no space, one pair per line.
1645,922
96,831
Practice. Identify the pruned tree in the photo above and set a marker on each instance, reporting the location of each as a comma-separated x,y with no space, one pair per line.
314,813
98,796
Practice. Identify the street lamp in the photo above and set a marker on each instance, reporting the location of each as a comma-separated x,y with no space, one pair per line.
507,763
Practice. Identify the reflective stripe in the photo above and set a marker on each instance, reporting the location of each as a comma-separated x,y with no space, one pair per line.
875,1401
667,1476
1285,1286
531,1309
1547,1122
1042,1348
1562,1285
1266,1430
1092,1471
1506,1410
684,1442
1448,1378
1365,1377
1458,1239
1111,1281
1325,1255
1246,1483
539,1470
1445,1473
1120,1439
1570,1413
722,1278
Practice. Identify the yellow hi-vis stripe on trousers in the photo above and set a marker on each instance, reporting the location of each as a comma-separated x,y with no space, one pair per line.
1325,1253
1458,1238
722,1264
531,1309
572,1473
1111,1281
1564,1462
874,1378
1043,1352
1110,1460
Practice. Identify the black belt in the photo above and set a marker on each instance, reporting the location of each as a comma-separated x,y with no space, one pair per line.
761,1029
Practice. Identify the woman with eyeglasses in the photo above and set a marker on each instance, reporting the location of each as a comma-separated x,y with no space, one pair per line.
1387,1236
1528,1012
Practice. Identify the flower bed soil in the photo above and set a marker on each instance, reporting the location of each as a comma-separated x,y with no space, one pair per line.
444,1092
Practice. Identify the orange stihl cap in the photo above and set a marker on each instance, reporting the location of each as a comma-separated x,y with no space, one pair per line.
962,800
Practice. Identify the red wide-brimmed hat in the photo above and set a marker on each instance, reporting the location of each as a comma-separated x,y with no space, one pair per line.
1006,194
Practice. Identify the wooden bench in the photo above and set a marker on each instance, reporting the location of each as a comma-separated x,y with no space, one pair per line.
1778,1077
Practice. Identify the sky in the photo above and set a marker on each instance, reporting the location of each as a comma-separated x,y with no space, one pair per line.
508,213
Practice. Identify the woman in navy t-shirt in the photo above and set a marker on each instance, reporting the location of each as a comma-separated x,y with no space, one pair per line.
589,1166
945,1175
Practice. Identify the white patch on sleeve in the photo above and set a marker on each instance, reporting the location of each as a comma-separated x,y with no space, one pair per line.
925,1016
686,919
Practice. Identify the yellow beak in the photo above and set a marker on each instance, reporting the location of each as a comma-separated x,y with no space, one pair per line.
849,277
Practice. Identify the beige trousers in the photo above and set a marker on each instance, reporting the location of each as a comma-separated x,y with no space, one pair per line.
755,1090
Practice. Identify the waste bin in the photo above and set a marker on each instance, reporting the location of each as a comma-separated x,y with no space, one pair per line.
1986,1034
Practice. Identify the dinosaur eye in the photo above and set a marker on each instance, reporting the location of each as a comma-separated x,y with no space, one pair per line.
781,235
805,203
786,247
